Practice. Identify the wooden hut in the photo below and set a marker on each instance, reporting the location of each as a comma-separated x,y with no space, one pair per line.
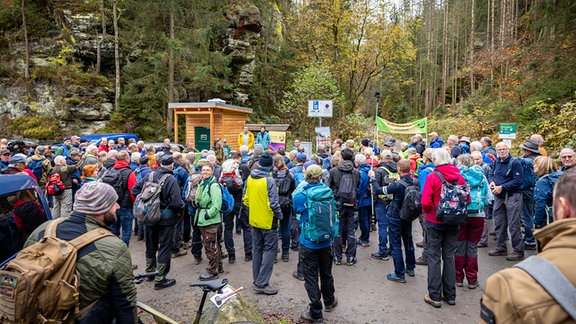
207,121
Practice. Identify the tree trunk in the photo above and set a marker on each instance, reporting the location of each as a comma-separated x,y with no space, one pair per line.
116,55
169,119
472,29
99,47
26,45
445,55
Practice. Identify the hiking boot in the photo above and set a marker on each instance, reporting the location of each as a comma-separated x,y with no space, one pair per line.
285,257
352,262
420,244
515,256
164,284
294,247
267,290
450,302
459,283
330,308
473,285
179,253
378,256
530,247
238,231
298,276
434,303
422,261
248,258
482,245
497,252
395,278
305,316
223,255
410,273
221,269
208,276
232,259
197,261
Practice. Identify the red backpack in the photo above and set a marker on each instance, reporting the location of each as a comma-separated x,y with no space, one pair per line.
55,186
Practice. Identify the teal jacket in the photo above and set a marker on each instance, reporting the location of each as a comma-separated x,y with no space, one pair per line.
209,202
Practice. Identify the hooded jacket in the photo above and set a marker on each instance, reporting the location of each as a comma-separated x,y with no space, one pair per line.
125,199
261,198
46,166
543,196
479,192
437,143
336,175
382,174
423,171
250,139
209,202
513,296
433,186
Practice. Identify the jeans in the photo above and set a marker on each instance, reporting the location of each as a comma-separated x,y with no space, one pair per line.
246,228
318,262
347,233
527,217
507,217
264,247
229,233
364,214
382,219
466,255
124,220
401,232
285,229
441,240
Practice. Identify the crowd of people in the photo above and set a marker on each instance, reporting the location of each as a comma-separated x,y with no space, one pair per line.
270,189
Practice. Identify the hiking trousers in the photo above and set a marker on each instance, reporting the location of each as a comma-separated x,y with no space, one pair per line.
159,241
264,249
401,233
62,204
213,250
346,233
441,240
466,255
507,218
382,219
318,263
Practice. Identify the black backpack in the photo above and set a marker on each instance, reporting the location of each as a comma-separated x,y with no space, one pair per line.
347,189
118,179
412,204
284,189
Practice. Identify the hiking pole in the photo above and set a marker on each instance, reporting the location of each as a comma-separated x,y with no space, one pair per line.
373,216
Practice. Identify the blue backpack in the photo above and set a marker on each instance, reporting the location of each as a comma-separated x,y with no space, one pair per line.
322,223
36,167
529,176
227,200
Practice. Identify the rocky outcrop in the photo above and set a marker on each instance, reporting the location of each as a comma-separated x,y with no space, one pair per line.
235,310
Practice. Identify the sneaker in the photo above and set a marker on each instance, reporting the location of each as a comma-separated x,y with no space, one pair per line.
179,253
266,290
378,256
395,278
197,261
294,247
365,244
420,244
305,316
459,283
482,245
221,269
330,308
422,261
285,257
164,284
248,258
434,303
530,247
497,252
352,262
411,273
473,285
450,302
337,262
238,232
298,276
515,256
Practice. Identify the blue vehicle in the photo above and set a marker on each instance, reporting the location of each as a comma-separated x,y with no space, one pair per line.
23,207
95,138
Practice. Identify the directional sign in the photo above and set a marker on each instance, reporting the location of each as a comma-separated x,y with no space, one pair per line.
320,108
507,131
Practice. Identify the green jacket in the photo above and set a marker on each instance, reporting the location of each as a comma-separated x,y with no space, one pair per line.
209,202
105,267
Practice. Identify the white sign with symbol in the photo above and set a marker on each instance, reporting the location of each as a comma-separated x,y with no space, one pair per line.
320,108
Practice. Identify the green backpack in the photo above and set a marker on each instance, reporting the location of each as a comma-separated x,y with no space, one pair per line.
322,223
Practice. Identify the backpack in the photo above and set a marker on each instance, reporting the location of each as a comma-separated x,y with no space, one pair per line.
115,178
412,203
55,186
36,167
230,181
41,284
138,173
146,208
322,223
227,200
299,175
347,189
529,179
454,199
284,189
193,183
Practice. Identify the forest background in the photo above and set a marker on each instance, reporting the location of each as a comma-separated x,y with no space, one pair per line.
466,64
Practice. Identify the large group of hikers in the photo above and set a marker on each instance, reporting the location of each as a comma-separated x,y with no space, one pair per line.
323,205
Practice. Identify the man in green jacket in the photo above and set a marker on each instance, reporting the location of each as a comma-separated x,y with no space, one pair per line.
105,266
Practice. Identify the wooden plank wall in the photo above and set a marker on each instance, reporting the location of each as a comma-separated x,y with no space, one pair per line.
232,123
193,121
227,124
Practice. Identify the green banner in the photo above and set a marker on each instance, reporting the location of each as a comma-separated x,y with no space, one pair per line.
419,126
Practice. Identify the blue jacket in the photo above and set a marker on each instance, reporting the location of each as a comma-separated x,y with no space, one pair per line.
510,181
181,175
364,186
423,171
396,189
300,207
263,139
437,143
543,196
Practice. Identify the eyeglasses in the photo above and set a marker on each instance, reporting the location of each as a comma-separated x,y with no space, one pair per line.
567,157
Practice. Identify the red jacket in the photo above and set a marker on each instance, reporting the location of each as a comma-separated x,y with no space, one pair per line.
432,187
103,148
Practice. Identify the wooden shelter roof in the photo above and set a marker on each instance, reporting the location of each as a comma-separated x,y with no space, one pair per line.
199,106
269,127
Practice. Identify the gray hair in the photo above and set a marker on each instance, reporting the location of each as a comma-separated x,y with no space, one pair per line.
112,153
244,149
90,148
40,149
191,157
59,159
135,157
441,157
150,148
465,159
476,145
360,159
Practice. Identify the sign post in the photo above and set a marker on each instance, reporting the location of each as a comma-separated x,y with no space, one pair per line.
507,133
320,108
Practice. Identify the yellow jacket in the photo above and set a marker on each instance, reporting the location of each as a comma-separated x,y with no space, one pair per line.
250,140
513,296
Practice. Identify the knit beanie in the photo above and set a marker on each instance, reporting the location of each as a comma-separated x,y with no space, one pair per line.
266,160
95,198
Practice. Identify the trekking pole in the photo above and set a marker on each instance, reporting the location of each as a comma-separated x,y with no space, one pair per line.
373,216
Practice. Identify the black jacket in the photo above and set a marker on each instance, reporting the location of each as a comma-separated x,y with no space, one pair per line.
169,197
336,175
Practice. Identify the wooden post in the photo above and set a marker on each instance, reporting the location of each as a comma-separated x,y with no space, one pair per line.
175,125
211,126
